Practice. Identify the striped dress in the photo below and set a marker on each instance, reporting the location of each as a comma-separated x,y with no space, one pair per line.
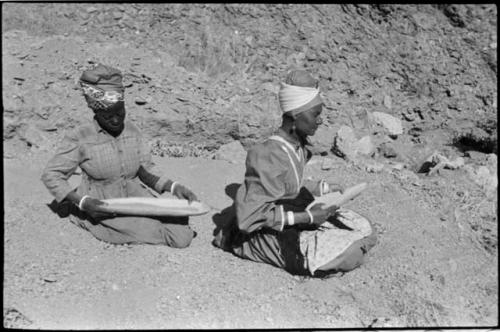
273,185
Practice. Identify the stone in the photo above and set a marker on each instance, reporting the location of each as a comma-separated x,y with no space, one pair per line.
398,166
84,16
365,146
32,136
415,131
233,152
391,124
436,161
117,15
455,164
387,101
344,143
374,167
141,100
478,157
328,163
387,150
486,180
492,162
322,140
13,318
315,160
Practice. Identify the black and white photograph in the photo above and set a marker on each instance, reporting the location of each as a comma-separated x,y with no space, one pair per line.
243,166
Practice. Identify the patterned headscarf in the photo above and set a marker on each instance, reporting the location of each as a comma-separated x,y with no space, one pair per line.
102,87
298,93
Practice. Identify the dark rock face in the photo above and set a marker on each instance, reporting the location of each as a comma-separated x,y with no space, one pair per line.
209,73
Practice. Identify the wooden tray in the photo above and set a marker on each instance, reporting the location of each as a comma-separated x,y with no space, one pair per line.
150,206
338,199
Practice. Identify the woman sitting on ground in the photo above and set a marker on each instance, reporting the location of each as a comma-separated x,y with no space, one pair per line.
269,221
114,159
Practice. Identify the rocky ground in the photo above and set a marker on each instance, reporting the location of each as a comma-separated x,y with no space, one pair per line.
411,108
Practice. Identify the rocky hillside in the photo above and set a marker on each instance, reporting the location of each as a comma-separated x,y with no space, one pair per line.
208,73
409,87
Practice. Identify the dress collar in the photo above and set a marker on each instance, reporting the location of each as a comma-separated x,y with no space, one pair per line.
296,143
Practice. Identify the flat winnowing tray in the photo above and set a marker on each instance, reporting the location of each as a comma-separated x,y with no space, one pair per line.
147,206
338,199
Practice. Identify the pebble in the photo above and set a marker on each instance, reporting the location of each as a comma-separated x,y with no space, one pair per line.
329,163
398,166
387,101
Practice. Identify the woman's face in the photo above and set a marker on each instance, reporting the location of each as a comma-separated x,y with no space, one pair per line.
307,122
112,119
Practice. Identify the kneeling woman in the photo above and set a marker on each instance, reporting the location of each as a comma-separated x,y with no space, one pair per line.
269,222
114,159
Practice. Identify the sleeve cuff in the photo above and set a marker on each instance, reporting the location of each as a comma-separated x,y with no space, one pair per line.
324,187
160,184
282,214
279,220
61,193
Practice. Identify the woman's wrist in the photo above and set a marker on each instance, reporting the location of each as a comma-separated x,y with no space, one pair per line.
172,186
169,186
80,204
311,218
324,187
295,218
74,198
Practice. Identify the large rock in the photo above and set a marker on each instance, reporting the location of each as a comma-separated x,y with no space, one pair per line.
322,141
347,146
437,161
365,146
392,125
387,150
486,179
33,137
233,152
492,162
344,143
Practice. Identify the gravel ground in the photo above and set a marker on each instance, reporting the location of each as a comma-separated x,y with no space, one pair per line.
423,272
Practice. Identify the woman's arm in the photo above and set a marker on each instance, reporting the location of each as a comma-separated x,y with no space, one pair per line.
321,187
151,180
61,166
257,199
314,186
160,183
314,216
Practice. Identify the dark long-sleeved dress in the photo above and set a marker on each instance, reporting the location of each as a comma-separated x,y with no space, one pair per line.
110,169
273,185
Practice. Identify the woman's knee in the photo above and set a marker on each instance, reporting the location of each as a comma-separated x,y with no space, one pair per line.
181,238
369,242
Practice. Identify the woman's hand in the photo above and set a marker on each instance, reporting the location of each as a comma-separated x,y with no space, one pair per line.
320,214
333,187
90,204
184,193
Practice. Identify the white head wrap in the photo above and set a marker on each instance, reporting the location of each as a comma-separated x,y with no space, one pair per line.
292,97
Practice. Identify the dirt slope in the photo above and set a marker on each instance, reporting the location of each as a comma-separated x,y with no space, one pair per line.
208,73
423,272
